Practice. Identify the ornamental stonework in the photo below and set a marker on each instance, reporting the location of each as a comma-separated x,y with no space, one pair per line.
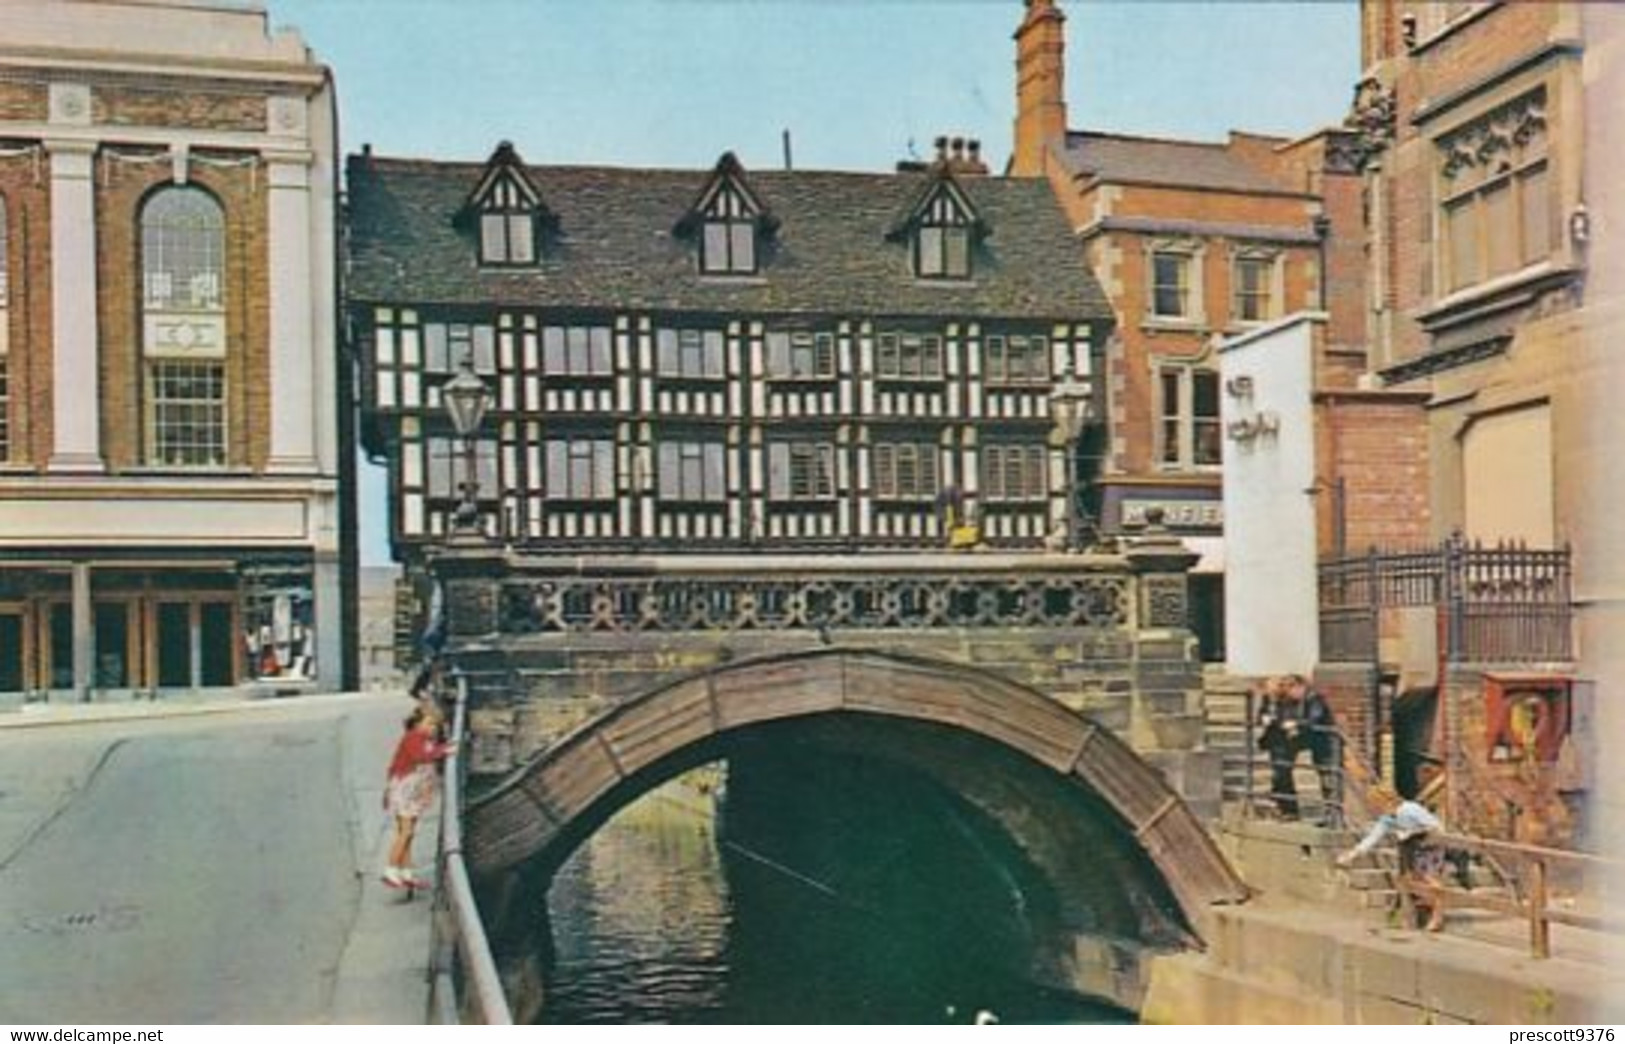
1164,602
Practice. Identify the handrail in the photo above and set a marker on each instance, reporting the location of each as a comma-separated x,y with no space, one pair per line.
1531,884
460,932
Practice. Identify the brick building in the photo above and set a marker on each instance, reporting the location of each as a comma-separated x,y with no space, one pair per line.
1491,156
1196,242
722,360
174,506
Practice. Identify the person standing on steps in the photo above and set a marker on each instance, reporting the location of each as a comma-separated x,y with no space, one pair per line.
1319,733
413,782
1278,725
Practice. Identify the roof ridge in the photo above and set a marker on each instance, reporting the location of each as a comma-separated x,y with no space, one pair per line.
1155,140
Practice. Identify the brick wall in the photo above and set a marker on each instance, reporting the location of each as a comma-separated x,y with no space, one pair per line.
25,187
23,101
177,106
121,189
1377,443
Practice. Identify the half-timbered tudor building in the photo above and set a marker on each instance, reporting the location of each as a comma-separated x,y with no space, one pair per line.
720,360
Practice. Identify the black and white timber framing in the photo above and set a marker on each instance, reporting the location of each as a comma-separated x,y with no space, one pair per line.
716,359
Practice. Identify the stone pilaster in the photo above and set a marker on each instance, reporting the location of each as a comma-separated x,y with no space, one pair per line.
293,401
75,422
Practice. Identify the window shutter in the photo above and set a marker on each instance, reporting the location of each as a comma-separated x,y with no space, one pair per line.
778,471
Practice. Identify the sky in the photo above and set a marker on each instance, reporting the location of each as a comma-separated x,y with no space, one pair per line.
858,84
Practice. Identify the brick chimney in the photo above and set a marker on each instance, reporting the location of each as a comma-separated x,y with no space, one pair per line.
1040,86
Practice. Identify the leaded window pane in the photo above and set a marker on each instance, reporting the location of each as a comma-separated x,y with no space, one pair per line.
494,238
521,238
743,236
956,244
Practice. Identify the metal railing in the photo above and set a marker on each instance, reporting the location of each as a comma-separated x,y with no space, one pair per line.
467,988
1497,604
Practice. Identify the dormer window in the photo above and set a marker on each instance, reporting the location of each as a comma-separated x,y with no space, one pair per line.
942,245
507,238
727,222
508,210
942,230
728,246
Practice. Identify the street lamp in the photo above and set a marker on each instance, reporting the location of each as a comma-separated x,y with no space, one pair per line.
1070,402
466,398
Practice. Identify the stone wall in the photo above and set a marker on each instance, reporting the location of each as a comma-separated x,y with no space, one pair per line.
1141,679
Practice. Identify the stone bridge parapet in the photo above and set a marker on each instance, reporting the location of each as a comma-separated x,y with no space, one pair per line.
551,641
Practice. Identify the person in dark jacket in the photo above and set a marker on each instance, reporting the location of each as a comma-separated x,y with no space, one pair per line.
1319,734
1278,722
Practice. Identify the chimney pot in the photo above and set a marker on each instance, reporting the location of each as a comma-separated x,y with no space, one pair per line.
959,147
942,146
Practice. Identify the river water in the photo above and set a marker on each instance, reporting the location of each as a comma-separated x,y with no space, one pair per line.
661,918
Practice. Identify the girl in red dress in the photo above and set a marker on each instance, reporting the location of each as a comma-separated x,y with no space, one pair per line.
413,782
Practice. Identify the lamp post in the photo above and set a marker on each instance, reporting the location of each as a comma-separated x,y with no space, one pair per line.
1069,405
466,398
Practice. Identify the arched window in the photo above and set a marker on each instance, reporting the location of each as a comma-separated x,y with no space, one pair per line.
5,336
183,328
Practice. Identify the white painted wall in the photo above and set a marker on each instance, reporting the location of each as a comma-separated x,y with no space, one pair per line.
1269,519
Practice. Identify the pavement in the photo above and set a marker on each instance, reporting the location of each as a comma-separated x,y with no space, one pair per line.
141,878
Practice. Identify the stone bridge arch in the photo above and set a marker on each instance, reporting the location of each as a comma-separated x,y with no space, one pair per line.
534,808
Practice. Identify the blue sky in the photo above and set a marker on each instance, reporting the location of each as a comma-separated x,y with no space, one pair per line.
858,83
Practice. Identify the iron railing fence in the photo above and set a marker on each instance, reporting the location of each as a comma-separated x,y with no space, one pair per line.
466,987
1505,603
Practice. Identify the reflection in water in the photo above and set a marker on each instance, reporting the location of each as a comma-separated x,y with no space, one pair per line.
657,918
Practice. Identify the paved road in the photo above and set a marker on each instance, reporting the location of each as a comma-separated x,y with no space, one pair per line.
209,869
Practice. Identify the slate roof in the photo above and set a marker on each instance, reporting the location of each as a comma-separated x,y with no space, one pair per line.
1198,164
616,245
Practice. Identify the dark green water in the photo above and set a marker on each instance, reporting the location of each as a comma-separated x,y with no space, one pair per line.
897,911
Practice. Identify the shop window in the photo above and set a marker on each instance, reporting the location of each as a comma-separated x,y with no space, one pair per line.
112,621
61,660
279,640
11,652
174,645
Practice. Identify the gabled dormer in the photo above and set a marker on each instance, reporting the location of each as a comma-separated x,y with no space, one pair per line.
942,229
728,222
507,211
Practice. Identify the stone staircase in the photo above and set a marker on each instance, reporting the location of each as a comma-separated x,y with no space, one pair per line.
1225,698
